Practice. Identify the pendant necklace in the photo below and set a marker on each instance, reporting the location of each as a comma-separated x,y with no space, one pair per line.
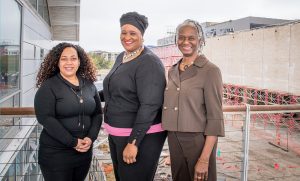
79,96
186,65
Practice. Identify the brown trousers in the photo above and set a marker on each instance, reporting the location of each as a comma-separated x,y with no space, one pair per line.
185,149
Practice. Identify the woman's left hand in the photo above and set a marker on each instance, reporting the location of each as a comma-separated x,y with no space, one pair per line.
130,152
86,145
201,170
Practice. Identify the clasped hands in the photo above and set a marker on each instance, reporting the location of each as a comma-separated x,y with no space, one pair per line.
83,145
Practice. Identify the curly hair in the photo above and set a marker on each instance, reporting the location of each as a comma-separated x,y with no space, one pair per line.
49,67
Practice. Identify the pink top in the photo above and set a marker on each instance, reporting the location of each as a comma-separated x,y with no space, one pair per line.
127,131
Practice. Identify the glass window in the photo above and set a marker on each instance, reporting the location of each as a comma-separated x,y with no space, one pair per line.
5,123
43,10
41,4
7,103
11,174
33,3
10,41
17,100
46,13
42,53
19,164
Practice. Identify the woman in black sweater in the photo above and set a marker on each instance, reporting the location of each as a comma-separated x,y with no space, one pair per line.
68,107
133,93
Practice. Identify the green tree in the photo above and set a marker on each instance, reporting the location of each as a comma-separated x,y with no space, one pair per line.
100,61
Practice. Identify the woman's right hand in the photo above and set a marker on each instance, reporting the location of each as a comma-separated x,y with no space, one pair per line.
83,145
201,170
130,152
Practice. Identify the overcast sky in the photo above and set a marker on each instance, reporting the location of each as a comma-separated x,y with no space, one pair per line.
100,28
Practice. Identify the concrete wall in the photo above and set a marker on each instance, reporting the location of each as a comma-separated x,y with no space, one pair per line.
267,58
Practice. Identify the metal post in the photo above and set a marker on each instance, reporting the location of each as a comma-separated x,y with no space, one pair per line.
287,139
246,134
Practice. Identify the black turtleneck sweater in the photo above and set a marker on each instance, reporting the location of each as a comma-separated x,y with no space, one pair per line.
64,120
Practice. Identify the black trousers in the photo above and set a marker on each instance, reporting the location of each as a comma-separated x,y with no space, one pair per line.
69,174
147,158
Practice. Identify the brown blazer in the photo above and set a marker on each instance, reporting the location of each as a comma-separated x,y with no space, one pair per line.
193,99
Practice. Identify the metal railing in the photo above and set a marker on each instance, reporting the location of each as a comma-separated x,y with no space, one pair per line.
261,143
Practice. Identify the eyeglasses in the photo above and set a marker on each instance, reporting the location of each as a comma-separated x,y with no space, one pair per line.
188,38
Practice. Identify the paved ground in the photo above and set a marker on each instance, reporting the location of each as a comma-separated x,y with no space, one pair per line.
266,162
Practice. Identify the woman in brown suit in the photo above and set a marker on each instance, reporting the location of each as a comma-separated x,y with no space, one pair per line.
192,111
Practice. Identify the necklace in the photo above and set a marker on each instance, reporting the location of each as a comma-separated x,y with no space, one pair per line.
131,55
79,96
186,65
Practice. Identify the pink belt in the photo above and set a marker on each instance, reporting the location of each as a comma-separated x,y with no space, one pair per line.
127,131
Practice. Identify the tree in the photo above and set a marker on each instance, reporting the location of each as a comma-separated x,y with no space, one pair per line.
100,62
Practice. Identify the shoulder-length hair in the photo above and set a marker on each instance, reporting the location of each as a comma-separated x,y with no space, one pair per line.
49,66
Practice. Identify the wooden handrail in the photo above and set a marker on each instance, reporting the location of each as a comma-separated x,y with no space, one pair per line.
29,111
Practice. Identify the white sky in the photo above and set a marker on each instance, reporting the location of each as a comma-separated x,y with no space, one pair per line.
100,27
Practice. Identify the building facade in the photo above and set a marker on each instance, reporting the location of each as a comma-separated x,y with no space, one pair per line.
231,26
28,29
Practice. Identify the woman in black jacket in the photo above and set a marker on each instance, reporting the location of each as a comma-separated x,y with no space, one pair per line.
68,107
133,93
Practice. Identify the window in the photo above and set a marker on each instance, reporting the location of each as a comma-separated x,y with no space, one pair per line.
42,53
11,174
33,3
19,164
10,43
256,25
43,10
46,13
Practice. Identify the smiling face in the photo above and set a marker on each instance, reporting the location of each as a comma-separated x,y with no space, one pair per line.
68,62
188,41
131,38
